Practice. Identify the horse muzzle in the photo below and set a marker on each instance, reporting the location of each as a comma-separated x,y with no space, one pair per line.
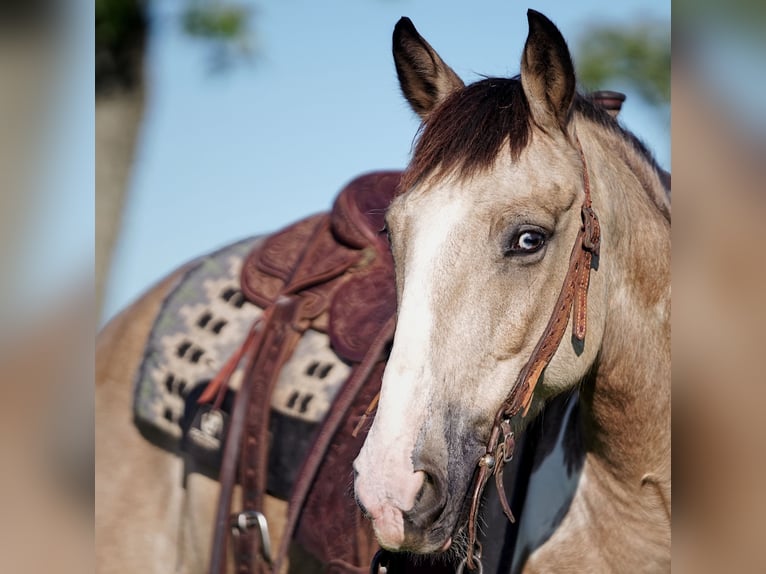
408,513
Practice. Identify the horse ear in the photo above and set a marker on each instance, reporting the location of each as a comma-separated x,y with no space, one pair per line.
547,73
423,76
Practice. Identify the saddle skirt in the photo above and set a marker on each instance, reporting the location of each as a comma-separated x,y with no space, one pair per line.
344,278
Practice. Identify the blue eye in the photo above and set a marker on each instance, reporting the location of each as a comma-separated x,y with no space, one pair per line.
526,241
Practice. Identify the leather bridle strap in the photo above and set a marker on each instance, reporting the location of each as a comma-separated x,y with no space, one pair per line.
572,299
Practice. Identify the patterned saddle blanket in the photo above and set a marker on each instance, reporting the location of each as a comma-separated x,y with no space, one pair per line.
336,270
202,322
208,314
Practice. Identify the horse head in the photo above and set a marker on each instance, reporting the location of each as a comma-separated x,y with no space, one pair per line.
481,232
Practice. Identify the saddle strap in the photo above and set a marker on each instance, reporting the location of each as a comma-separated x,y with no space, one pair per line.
308,471
229,464
269,346
247,442
279,345
278,331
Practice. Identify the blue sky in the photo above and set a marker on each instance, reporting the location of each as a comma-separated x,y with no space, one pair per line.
226,156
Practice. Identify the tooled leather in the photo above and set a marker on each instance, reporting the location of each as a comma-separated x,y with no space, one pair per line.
281,328
331,525
370,294
267,268
358,214
280,341
326,266
349,272
312,506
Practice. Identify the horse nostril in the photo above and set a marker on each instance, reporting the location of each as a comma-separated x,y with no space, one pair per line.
429,485
430,501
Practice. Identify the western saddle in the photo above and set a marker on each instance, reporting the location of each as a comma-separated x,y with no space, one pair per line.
333,273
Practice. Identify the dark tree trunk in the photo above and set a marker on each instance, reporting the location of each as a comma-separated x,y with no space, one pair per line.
121,28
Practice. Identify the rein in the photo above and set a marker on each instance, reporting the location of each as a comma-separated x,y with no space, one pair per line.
573,299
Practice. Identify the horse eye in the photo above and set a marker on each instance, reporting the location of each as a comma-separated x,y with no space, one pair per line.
526,241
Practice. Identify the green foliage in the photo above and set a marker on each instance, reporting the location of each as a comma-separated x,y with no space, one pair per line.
638,55
215,20
224,25
121,30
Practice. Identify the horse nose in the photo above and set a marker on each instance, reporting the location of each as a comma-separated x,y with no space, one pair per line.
431,499
384,499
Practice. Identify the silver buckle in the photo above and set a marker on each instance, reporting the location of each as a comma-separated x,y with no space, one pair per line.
248,519
476,559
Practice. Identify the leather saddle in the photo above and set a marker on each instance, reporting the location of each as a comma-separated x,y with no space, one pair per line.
332,272
338,264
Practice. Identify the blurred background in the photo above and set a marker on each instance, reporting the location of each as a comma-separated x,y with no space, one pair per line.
221,119
216,120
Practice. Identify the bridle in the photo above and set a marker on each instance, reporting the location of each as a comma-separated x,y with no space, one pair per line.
573,299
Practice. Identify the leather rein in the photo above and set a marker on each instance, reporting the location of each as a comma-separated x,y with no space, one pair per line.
572,299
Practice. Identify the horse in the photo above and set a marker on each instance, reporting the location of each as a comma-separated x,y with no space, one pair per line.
502,158
507,176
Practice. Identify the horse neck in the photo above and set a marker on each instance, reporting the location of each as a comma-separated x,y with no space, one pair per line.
627,399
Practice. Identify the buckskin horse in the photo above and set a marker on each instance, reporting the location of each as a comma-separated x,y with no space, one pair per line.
526,211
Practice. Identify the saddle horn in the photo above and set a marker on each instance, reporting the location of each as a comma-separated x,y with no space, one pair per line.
610,100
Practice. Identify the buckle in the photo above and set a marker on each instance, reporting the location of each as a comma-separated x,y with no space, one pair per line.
509,441
472,560
247,519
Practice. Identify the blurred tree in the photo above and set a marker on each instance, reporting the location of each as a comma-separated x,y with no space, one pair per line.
120,38
638,55
121,29
215,20
223,25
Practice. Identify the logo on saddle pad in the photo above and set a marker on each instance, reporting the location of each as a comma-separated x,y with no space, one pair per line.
207,429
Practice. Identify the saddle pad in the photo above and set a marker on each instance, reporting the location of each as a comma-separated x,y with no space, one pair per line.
202,321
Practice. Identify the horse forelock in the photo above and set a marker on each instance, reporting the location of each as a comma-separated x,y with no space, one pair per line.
467,132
